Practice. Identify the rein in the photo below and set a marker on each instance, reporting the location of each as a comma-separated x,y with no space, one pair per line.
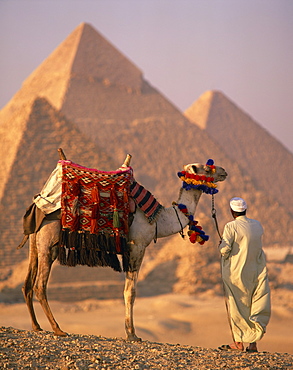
214,216
181,231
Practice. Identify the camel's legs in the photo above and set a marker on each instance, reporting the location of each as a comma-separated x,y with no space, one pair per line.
129,298
46,240
29,283
136,257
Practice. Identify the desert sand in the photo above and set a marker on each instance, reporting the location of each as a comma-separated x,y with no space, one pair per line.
176,319
23,349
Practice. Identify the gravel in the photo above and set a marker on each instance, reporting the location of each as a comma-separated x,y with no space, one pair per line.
22,349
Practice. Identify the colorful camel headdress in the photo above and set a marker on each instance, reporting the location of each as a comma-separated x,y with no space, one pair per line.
205,184
200,182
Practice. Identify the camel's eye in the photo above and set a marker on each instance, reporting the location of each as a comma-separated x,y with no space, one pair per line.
194,169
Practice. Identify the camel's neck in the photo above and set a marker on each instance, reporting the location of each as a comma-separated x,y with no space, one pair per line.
171,220
190,199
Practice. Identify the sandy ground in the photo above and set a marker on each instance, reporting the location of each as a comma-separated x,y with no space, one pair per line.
197,321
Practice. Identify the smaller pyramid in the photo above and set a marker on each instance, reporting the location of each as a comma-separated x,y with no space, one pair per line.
198,112
246,142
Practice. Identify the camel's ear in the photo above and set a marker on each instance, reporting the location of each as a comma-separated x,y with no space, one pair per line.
191,168
194,168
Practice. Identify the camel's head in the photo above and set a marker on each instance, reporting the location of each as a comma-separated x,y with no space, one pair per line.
218,173
202,176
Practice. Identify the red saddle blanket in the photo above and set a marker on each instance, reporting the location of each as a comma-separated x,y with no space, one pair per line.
94,216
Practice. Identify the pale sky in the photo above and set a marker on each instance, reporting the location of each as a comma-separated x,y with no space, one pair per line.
243,48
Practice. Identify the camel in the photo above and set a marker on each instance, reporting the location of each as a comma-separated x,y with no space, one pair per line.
43,249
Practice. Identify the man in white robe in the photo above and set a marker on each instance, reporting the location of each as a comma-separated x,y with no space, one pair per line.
245,278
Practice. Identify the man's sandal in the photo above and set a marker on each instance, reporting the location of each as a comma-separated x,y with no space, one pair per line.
227,347
249,350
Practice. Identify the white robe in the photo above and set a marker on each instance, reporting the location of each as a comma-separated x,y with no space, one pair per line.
245,279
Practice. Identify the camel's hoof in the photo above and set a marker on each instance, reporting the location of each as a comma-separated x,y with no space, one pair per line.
133,338
60,333
37,329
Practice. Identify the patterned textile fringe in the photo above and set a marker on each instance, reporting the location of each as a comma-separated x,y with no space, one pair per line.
145,201
83,248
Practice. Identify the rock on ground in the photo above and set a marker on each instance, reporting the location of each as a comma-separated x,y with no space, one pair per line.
22,349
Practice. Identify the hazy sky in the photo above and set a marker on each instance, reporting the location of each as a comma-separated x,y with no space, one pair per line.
183,47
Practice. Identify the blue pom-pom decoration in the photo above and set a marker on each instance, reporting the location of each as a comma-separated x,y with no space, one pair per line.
210,162
204,188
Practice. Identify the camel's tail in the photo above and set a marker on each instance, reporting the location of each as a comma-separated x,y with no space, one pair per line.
24,240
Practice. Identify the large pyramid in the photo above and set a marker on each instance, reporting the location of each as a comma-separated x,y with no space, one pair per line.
83,74
85,54
89,99
255,150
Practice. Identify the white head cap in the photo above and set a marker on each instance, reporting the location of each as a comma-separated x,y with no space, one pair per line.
238,204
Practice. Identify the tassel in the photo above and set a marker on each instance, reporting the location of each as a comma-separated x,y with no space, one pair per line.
75,213
103,261
95,201
114,262
62,255
116,220
117,241
114,203
95,209
63,241
62,247
75,189
71,259
72,239
78,248
91,241
94,224
102,242
126,257
125,197
111,243
83,251
75,206
83,257
92,258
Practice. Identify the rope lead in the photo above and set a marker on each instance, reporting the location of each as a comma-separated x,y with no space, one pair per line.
181,231
214,216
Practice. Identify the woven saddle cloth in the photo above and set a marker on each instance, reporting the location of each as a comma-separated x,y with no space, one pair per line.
94,216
